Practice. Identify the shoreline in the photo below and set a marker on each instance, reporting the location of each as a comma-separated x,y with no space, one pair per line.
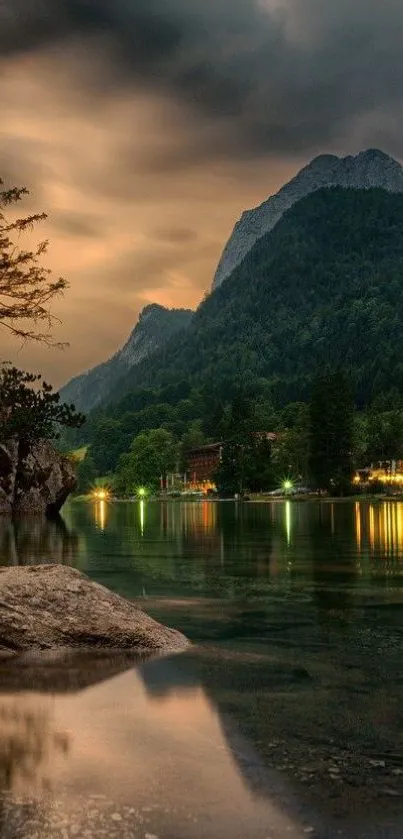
251,499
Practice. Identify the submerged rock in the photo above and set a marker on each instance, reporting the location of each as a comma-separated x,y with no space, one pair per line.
34,479
50,606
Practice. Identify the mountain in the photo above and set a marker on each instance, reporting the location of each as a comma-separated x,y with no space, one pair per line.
155,326
324,286
372,168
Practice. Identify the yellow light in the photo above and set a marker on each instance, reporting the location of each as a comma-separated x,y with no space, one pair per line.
100,494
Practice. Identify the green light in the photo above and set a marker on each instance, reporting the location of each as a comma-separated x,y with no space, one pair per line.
141,492
287,485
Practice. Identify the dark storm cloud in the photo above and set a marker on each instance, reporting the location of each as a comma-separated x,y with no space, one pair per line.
288,76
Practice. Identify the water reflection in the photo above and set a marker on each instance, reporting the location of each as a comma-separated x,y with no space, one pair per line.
31,540
212,547
298,606
145,750
100,513
29,744
288,520
379,528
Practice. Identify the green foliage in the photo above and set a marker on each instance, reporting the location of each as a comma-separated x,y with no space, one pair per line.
86,474
385,433
30,409
292,447
191,439
152,454
246,464
332,432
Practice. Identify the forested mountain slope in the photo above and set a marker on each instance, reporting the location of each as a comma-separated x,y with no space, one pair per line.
371,168
155,325
324,286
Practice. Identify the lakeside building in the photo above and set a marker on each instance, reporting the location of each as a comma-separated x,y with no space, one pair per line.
387,472
203,462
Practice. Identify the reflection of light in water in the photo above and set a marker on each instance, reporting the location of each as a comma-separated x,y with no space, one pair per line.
332,518
385,526
380,526
100,512
371,527
142,516
133,752
358,524
288,521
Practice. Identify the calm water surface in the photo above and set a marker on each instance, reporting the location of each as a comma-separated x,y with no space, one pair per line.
284,720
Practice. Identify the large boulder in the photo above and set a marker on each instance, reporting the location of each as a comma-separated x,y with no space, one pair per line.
8,471
44,607
35,478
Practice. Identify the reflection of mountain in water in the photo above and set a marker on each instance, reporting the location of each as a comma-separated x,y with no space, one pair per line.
181,675
34,540
28,745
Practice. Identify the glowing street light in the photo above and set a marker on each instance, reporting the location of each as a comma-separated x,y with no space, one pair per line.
142,492
101,494
287,485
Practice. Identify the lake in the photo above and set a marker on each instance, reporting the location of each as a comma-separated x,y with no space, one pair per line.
285,718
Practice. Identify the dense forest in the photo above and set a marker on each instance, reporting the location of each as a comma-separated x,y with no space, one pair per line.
323,287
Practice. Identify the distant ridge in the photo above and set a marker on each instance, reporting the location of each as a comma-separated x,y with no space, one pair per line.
155,325
371,168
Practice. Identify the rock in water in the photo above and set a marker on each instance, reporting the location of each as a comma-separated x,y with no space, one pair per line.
50,606
34,479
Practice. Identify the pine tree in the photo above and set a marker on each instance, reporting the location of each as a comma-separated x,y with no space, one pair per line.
30,410
26,289
331,432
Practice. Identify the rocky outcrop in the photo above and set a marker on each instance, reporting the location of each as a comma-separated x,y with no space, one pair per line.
34,479
372,168
155,326
44,607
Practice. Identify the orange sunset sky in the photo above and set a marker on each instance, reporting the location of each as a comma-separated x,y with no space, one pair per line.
145,128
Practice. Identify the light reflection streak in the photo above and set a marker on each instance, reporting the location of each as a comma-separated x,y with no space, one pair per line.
371,527
288,521
380,526
100,512
142,516
358,524
332,518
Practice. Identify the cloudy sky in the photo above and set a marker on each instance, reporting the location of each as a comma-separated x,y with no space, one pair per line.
144,128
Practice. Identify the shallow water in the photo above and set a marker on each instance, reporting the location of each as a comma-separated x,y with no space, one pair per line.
286,716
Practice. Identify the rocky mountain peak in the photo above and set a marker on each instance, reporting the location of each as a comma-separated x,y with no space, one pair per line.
150,310
370,168
156,324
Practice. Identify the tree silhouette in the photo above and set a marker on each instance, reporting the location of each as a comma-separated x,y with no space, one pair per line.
26,287
29,411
